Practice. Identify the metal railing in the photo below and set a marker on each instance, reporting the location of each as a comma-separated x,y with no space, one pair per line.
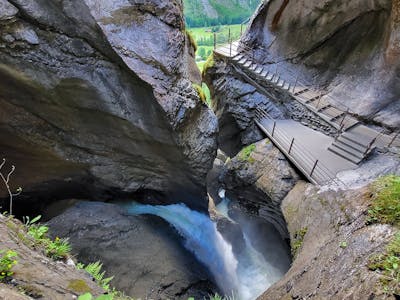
304,160
295,84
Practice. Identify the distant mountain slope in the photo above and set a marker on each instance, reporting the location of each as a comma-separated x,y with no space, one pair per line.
201,13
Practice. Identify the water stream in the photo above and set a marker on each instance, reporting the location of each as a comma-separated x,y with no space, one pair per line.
245,276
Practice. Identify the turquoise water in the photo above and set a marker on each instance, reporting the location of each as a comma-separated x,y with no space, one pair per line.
245,276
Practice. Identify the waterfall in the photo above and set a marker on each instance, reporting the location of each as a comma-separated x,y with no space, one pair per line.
245,276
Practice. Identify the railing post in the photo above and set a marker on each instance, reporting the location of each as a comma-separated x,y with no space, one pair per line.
273,129
291,145
295,83
345,116
319,99
394,138
313,169
370,146
230,41
215,40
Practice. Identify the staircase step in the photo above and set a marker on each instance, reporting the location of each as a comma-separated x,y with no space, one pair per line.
243,61
324,108
253,67
301,92
351,144
264,73
312,99
270,76
238,57
349,150
344,154
358,139
259,70
280,83
247,64
286,86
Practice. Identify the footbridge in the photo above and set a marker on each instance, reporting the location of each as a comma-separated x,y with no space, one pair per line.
318,156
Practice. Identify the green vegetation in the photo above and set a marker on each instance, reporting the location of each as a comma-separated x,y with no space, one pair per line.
204,38
218,297
297,241
208,64
200,92
94,269
385,207
245,154
7,262
388,264
191,39
56,249
88,296
343,245
223,12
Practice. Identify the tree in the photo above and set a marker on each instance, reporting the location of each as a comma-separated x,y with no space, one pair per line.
202,53
6,180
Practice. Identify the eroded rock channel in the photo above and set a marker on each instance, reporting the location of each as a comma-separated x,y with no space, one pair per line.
114,146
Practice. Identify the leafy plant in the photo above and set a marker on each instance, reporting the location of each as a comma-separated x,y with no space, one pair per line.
297,241
89,296
58,249
94,269
245,154
7,262
385,207
388,264
219,297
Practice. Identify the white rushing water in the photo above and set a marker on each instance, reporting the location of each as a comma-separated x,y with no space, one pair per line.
245,277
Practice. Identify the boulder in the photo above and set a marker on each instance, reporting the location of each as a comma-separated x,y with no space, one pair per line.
260,177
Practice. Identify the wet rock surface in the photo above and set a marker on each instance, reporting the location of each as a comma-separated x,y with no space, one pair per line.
143,253
86,107
260,182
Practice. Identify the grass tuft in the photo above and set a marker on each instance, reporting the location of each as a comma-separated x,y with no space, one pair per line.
385,207
388,265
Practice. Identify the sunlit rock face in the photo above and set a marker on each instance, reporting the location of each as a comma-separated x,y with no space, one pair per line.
96,97
349,47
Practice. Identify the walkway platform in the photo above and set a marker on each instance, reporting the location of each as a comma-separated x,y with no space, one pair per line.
308,147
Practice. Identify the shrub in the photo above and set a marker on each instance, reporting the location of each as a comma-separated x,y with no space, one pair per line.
7,262
297,241
245,154
200,92
208,64
385,207
191,39
388,264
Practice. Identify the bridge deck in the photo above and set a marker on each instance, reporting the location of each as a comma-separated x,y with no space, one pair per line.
308,146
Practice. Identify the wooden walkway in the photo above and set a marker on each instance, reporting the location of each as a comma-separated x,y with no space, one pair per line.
318,164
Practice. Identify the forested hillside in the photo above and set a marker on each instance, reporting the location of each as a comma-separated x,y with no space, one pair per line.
202,13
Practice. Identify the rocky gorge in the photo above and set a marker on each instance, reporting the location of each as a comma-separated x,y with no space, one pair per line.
98,103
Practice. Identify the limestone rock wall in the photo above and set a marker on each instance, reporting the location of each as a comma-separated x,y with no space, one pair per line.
96,98
348,47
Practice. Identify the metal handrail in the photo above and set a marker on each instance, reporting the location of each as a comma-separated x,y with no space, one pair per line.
318,169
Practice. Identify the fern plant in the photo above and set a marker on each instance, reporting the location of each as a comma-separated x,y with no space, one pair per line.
94,269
